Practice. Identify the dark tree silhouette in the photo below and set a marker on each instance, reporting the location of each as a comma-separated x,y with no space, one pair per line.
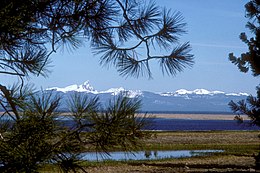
117,30
37,138
250,61
249,107
126,34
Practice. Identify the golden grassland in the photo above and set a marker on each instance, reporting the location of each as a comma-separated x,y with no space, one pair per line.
239,147
195,116
183,116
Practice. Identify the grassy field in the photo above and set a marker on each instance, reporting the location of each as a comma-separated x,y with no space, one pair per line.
239,146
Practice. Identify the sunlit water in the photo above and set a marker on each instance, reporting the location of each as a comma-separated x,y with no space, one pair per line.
144,155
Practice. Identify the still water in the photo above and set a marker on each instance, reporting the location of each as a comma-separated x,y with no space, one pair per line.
144,155
170,124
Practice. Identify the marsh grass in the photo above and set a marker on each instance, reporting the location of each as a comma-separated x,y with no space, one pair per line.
239,149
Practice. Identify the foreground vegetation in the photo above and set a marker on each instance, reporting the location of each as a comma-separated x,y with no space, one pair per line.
31,31
239,147
124,34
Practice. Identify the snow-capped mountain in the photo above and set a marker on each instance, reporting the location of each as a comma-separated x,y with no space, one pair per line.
182,92
180,100
86,87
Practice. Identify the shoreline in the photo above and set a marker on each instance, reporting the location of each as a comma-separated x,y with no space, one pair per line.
186,116
195,116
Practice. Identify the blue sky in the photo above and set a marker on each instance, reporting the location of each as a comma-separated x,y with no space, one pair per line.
213,31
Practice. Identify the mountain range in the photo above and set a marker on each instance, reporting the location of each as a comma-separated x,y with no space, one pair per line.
198,100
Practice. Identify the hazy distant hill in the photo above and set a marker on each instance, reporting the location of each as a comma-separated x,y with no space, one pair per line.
199,100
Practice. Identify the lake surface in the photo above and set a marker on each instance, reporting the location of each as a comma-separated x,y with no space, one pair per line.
169,124
144,155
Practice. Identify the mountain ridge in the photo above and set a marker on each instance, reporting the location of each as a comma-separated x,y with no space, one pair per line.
88,88
182,100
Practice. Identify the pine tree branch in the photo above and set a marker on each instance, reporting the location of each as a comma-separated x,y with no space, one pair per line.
10,101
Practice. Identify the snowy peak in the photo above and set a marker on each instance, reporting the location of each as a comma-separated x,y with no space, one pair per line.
120,90
88,88
237,94
196,91
179,100
201,91
114,91
85,87
183,92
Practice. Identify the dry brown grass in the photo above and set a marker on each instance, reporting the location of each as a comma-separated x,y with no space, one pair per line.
207,164
239,145
196,116
239,161
207,137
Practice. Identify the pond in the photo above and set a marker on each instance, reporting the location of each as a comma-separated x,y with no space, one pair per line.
145,155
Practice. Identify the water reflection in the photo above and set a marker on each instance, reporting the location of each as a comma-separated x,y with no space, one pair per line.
145,155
